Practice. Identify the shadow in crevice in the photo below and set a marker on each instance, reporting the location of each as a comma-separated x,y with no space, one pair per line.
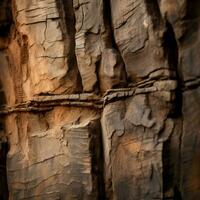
4,194
5,17
3,175
172,156
67,13
5,24
96,149
172,55
177,194
154,12
192,9
109,35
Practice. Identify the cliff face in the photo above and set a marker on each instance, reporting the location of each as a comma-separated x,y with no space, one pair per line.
99,99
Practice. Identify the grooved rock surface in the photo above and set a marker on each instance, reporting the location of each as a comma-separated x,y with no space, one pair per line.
99,99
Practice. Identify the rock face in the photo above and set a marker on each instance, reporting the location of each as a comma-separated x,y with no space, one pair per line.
99,99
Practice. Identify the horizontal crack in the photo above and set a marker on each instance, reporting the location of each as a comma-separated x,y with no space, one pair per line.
191,84
44,103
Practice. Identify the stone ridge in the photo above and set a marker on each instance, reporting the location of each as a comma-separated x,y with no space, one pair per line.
47,102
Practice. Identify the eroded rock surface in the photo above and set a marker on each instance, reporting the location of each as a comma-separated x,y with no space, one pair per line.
99,99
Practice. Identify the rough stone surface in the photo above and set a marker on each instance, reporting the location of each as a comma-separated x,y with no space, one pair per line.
99,99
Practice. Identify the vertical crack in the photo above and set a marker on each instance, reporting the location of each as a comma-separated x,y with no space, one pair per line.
109,32
109,36
5,24
65,7
96,149
170,181
154,12
4,194
3,174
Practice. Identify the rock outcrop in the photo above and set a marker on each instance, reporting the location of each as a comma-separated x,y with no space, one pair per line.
99,99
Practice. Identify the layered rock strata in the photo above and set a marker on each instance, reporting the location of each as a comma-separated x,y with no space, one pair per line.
99,99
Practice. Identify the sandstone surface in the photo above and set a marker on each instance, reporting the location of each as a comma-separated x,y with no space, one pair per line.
99,99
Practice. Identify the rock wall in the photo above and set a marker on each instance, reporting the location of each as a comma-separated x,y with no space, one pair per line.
99,99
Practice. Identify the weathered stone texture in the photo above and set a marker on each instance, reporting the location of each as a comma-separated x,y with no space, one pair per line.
48,150
99,99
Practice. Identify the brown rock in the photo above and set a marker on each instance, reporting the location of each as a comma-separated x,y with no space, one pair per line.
111,74
99,100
